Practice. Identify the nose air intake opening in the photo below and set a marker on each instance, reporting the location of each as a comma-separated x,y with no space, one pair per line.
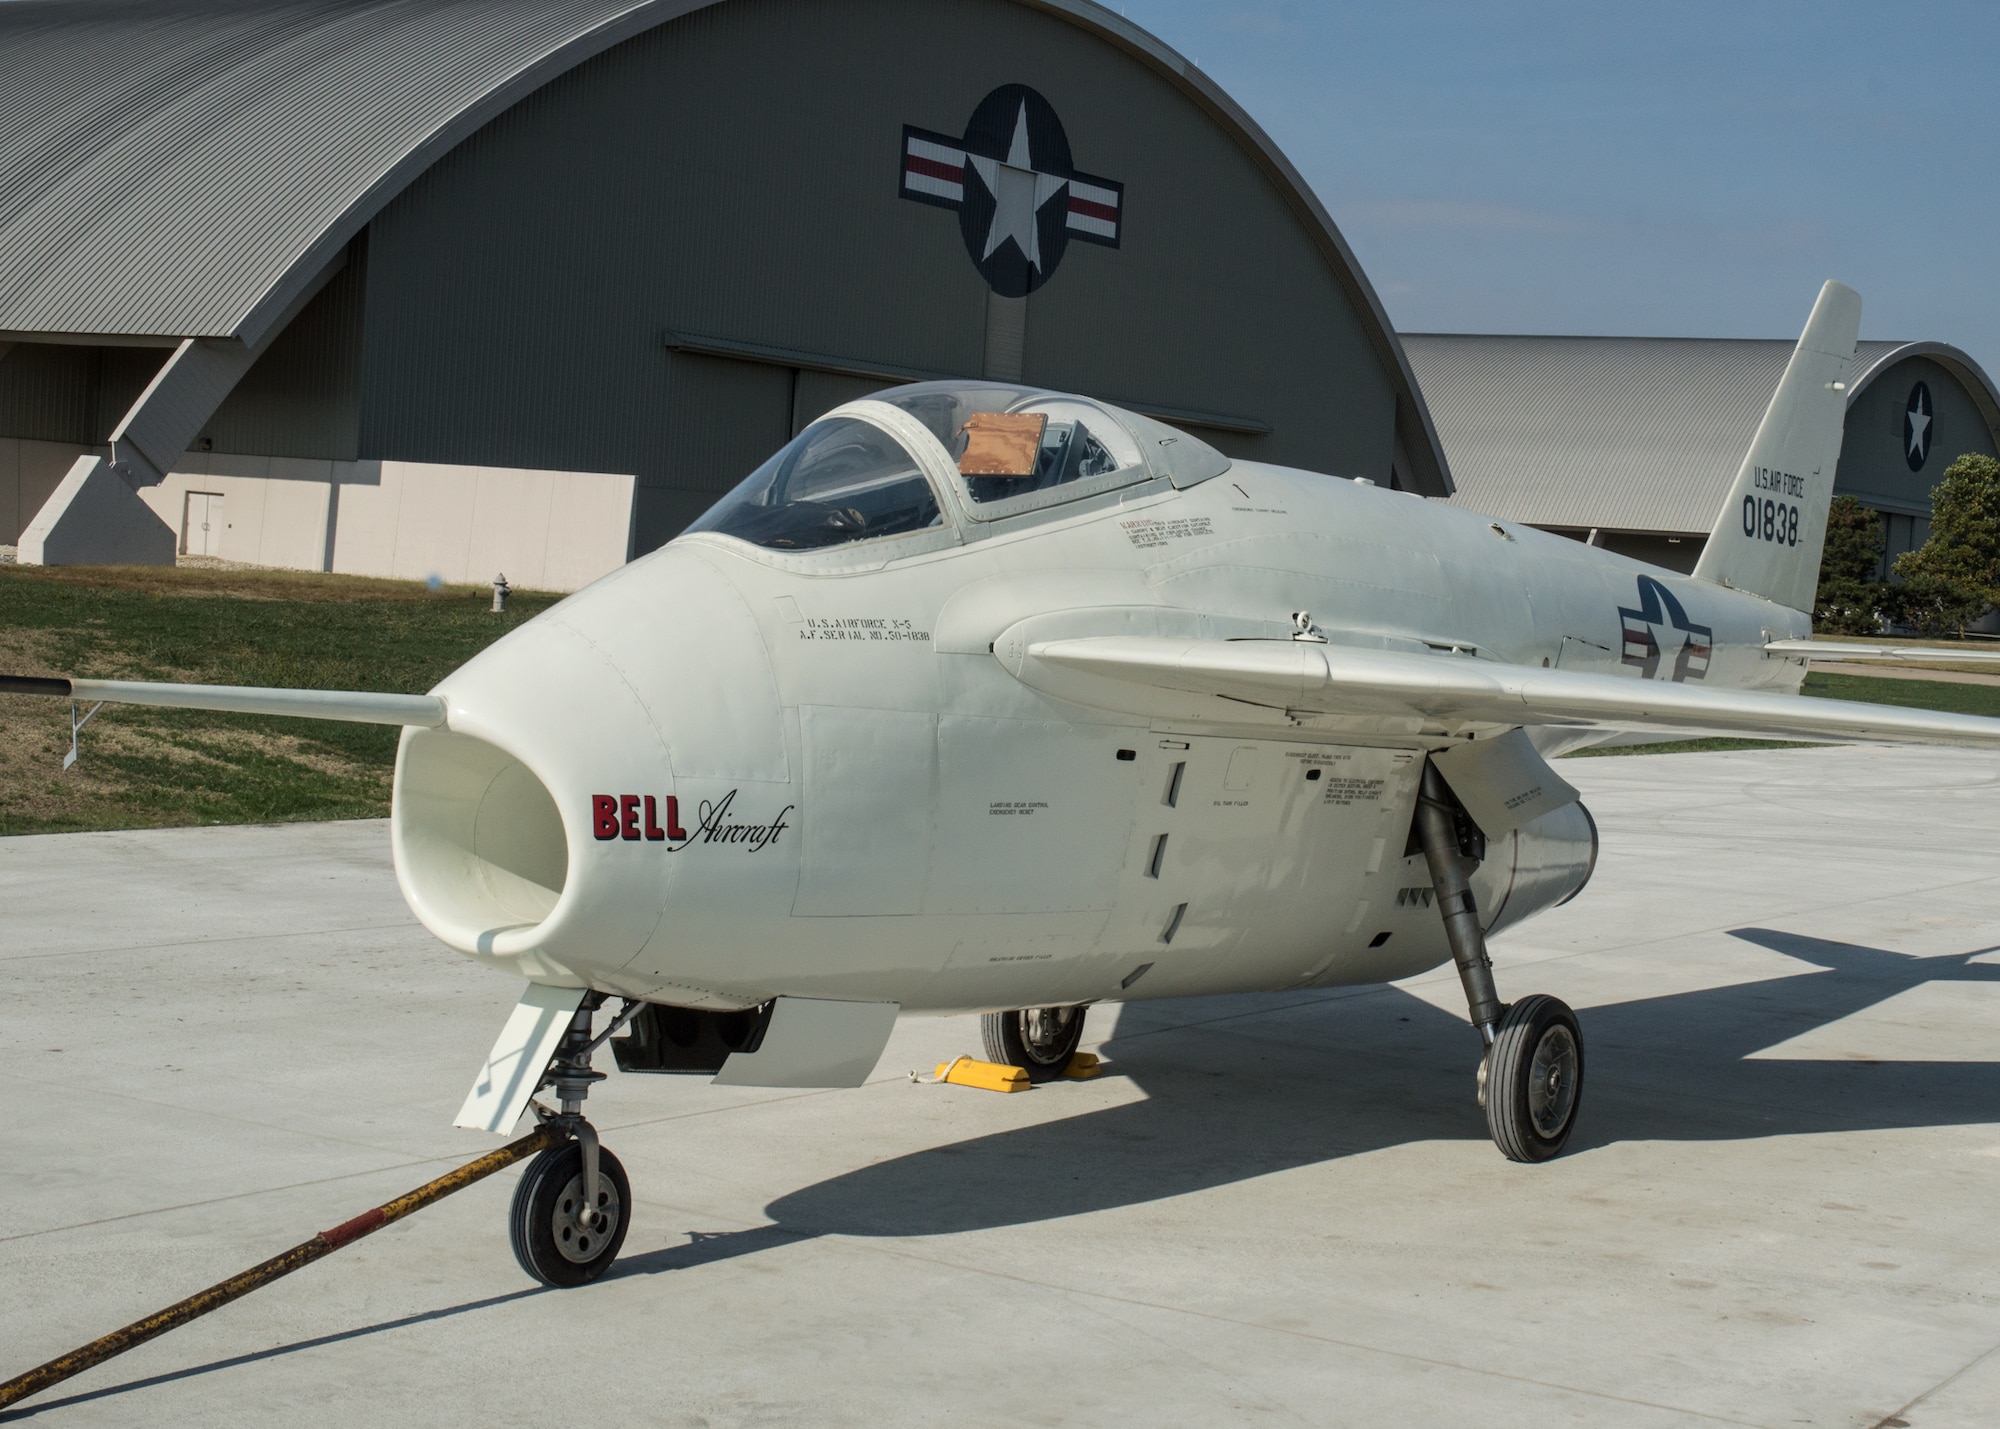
480,840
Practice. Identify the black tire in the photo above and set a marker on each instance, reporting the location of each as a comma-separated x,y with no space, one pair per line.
1039,1040
550,1240
1534,1079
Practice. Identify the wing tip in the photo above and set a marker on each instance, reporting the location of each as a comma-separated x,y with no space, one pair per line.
35,685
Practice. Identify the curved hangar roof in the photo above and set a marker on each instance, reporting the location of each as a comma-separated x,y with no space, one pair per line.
1645,434
177,169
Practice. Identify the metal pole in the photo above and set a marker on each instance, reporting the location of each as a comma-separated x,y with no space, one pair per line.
237,1286
1439,836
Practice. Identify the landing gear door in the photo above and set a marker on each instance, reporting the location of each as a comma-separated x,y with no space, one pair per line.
520,1055
1503,782
814,1042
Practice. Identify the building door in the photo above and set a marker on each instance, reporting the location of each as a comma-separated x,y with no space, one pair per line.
201,524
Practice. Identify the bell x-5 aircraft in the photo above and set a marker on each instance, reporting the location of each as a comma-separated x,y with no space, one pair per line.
982,698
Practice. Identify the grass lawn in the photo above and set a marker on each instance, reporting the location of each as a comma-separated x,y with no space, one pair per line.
144,768
1917,694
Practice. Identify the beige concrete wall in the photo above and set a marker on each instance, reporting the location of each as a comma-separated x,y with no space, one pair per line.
273,508
29,471
546,530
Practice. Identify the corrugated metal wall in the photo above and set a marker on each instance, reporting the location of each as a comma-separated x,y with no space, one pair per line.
735,175
303,396
57,392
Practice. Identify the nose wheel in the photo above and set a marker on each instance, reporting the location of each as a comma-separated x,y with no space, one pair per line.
572,1205
559,1235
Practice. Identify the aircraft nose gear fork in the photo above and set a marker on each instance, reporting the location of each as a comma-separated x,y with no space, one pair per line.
1531,1077
571,1208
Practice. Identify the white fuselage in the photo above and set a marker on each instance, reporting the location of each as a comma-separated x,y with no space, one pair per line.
725,773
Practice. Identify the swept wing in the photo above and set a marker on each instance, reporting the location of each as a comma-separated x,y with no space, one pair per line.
358,706
1449,692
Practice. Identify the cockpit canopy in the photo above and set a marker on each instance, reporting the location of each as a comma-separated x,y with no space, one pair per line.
861,474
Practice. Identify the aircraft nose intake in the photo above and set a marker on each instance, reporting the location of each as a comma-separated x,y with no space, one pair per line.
493,813
480,842
583,751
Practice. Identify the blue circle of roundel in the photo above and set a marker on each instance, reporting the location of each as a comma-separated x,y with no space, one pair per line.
1015,215
1020,200
1917,423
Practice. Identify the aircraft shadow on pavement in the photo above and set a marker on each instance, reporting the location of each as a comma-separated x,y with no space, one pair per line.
1273,1083
1315,1077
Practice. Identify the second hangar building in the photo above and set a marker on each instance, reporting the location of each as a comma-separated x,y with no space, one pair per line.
1633,441
414,287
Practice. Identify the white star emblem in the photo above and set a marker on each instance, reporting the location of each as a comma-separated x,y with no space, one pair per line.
1920,425
1018,194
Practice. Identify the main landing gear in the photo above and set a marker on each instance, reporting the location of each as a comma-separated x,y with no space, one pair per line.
1039,1040
1531,1080
572,1205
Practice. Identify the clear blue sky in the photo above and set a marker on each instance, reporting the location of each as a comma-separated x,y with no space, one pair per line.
1683,169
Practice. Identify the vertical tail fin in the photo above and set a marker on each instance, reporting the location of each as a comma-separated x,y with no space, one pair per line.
1768,538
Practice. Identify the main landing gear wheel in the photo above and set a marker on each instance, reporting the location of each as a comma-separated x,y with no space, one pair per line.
1039,1040
1534,1079
559,1239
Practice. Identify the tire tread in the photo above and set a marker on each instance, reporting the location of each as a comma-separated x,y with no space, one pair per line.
1520,1030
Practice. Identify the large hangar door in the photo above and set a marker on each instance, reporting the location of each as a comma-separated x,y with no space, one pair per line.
814,394
723,418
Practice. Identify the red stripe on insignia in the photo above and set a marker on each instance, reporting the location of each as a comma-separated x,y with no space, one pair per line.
1084,208
931,168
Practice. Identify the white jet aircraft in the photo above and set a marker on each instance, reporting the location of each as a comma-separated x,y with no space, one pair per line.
977,697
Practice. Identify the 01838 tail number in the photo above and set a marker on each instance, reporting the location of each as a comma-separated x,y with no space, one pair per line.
1769,520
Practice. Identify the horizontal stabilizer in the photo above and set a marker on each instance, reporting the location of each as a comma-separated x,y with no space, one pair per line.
1452,694
356,706
1828,650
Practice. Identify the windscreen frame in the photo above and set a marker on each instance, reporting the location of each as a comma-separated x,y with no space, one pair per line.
868,552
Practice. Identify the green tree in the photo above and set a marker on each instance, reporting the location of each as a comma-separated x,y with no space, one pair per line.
1955,575
1849,593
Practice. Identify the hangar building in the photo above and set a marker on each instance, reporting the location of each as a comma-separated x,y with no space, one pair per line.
1639,438
435,286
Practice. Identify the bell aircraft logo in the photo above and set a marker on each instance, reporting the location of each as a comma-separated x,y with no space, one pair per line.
1653,628
1019,199
637,818
1917,427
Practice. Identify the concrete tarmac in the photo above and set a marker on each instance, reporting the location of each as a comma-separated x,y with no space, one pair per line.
1780,1207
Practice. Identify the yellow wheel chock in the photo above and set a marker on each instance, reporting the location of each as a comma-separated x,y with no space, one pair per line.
997,1077
988,1076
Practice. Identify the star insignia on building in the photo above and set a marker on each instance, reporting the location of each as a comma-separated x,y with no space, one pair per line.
1917,427
1019,199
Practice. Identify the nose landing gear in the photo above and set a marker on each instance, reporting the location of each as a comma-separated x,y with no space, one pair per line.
571,1208
1531,1080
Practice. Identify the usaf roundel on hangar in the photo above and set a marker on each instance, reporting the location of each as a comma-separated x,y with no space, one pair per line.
1019,199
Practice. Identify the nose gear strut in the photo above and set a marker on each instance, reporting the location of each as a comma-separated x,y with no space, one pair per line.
1531,1076
573,1203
